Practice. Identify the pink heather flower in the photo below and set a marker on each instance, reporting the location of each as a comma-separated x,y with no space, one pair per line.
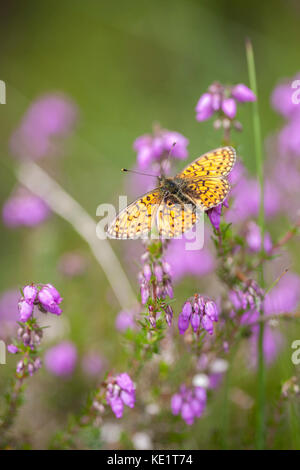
125,382
176,403
229,107
242,93
24,209
211,310
222,100
92,364
214,215
120,393
25,310
190,402
253,238
61,359
205,108
30,293
154,148
12,349
289,137
124,321
49,117
50,298
284,297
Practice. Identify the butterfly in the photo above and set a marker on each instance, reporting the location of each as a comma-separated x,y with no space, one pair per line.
173,207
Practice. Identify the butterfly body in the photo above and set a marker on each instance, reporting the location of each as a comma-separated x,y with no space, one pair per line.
174,206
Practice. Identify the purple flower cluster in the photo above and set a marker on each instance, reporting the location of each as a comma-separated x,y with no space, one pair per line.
250,297
189,402
156,285
49,117
29,338
199,312
46,297
222,100
120,391
61,359
153,149
23,208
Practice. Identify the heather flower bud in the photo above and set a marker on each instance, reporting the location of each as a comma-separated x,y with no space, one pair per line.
186,310
147,272
49,299
158,272
183,324
195,321
207,324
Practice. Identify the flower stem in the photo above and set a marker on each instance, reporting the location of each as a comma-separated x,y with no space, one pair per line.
260,430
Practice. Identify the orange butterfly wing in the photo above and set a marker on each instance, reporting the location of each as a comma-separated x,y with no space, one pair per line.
215,164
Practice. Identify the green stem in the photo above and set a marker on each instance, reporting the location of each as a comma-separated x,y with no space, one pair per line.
260,430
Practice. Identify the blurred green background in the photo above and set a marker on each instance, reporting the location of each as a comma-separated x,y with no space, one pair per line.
126,65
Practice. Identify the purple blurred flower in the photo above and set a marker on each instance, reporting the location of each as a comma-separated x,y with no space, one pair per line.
242,93
204,108
190,402
154,148
49,117
289,137
246,197
61,359
284,297
229,107
24,208
12,349
125,320
92,364
50,299
253,238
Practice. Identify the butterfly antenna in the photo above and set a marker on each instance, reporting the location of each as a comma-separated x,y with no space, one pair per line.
138,172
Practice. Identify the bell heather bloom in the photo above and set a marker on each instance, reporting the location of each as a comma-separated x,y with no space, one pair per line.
120,391
61,359
222,101
45,296
250,297
253,238
199,312
50,299
215,213
23,208
153,149
189,402
48,118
